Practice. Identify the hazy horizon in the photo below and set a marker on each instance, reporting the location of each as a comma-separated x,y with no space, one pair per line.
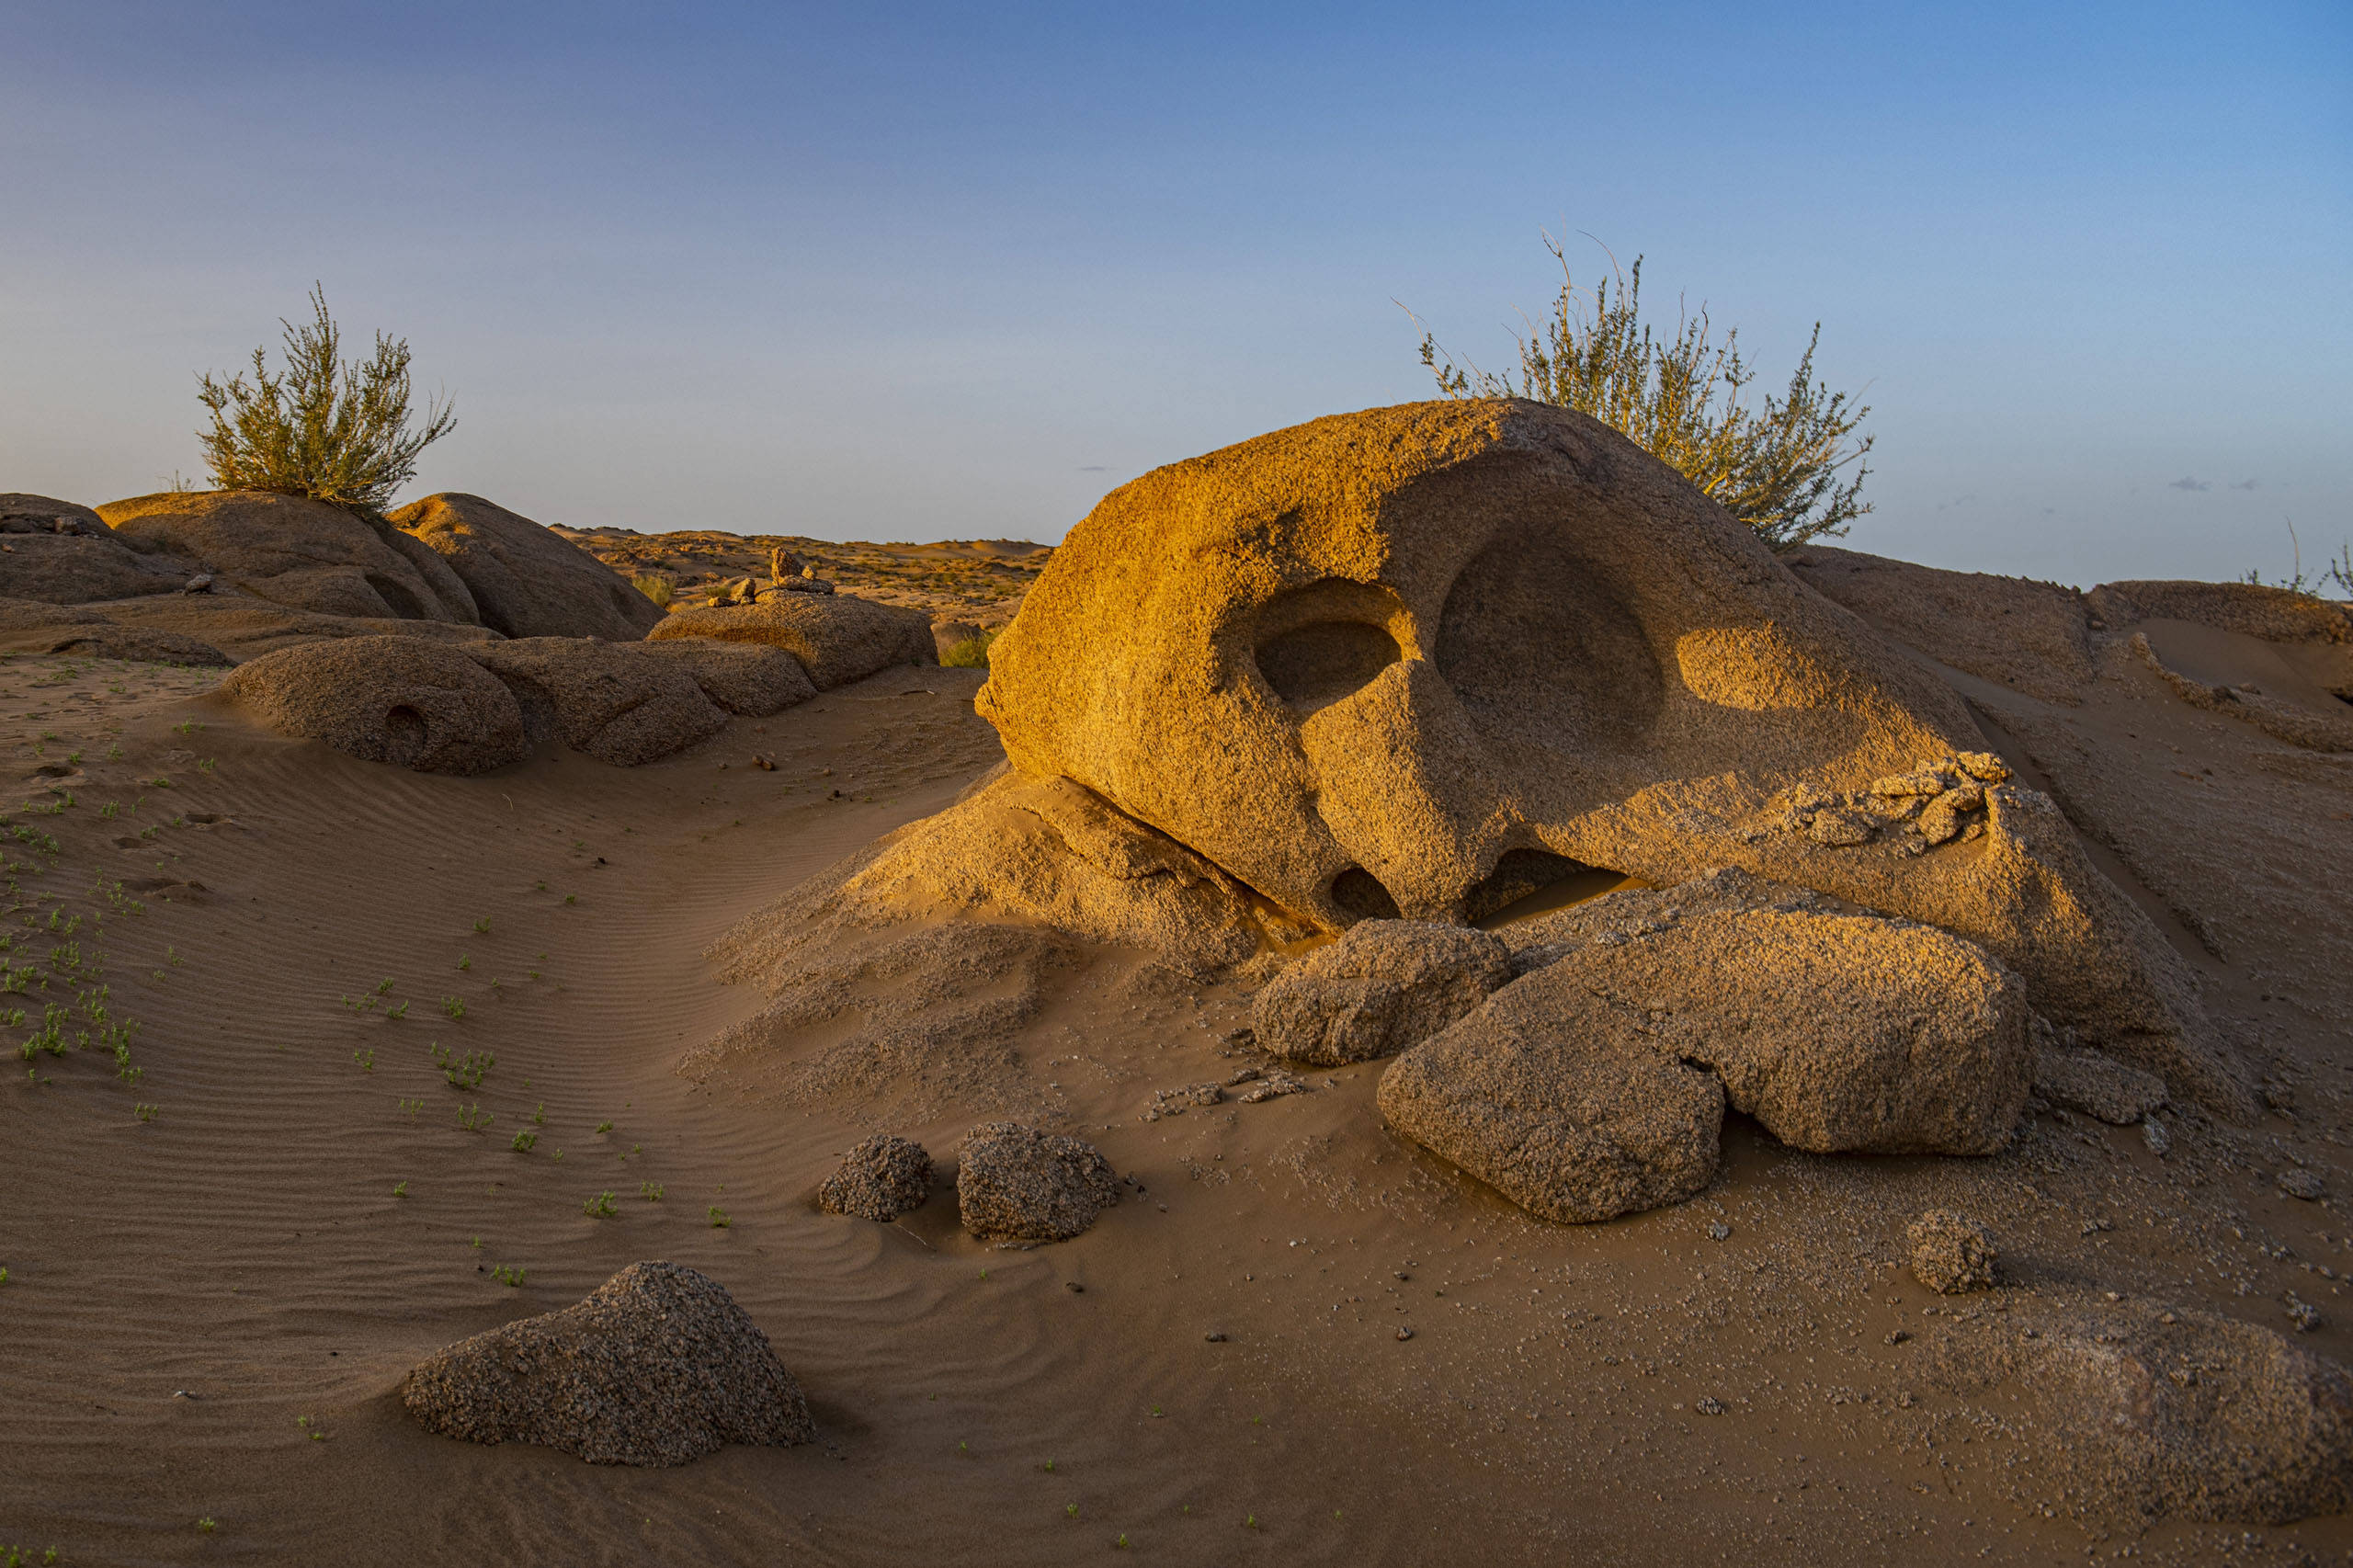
940,276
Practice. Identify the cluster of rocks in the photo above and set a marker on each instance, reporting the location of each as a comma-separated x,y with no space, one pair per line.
657,1367
1014,1183
1931,805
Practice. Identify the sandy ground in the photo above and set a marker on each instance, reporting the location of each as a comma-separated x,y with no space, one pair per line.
209,1305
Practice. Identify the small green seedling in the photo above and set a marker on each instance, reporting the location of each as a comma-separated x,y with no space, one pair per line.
538,1112
524,1141
452,1007
384,986
719,1220
400,1189
206,1527
474,1119
366,1060
311,1429
510,1277
599,1207
651,1191
572,898
464,963
603,1127
412,1106
145,1112
1070,1510
481,927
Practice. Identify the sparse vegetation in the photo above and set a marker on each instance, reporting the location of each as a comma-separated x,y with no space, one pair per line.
524,1142
719,1220
333,430
972,653
1782,470
600,1207
659,586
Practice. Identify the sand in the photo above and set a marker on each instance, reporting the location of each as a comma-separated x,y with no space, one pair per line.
208,1314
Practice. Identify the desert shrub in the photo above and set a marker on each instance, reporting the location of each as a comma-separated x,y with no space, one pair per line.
659,586
335,430
972,653
1778,469
2336,574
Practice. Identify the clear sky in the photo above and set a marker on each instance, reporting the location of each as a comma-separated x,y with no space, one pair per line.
921,272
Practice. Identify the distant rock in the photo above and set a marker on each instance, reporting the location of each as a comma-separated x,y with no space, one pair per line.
1015,1183
292,550
881,1178
23,514
657,1367
404,700
612,701
76,568
1382,986
527,581
837,640
2134,1411
742,677
2097,1085
1950,1252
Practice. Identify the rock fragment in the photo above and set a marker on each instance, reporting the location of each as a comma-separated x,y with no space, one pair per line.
881,1178
1950,1252
1016,1183
657,1367
1384,985
2297,1181
2097,1085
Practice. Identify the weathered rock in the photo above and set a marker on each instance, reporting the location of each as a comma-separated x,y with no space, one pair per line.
298,553
1384,985
657,1367
2031,637
527,580
837,638
24,513
742,677
138,643
2098,1085
881,1178
2135,1411
1360,664
1557,1100
1950,1252
1836,1032
399,700
1015,1183
75,568
612,701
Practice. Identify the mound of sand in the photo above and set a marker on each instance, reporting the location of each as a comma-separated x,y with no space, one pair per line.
838,637
657,1367
291,551
884,1177
612,702
402,700
1384,985
525,580
1018,1184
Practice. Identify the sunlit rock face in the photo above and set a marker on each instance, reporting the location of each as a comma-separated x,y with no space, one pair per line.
1422,661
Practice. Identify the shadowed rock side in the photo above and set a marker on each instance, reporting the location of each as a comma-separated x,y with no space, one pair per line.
1415,661
2139,1411
291,551
838,637
657,1367
611,702
396,700
525,580
2031,637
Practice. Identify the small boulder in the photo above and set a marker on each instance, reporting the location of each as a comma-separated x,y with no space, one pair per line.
2301,1181
1382,986
742,677
657,1367
289,550
609,700
2097,1085
1556,1100
1950,1252
838,638
527,580
882,1178
405,701
1015,1183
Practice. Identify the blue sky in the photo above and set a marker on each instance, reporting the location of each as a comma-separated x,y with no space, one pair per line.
954,272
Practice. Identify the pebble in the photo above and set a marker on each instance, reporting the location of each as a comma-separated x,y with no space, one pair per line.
2298,1182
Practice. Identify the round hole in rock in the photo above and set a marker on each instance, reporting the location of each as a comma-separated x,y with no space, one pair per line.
404,735
1316,664
1360,892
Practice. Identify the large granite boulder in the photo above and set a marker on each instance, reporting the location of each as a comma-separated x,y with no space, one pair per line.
838,638
291,551
527,580
404,700
75,568
612,701
657,1367
742,677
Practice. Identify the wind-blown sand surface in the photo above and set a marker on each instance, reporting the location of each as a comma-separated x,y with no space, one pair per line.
304,1219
